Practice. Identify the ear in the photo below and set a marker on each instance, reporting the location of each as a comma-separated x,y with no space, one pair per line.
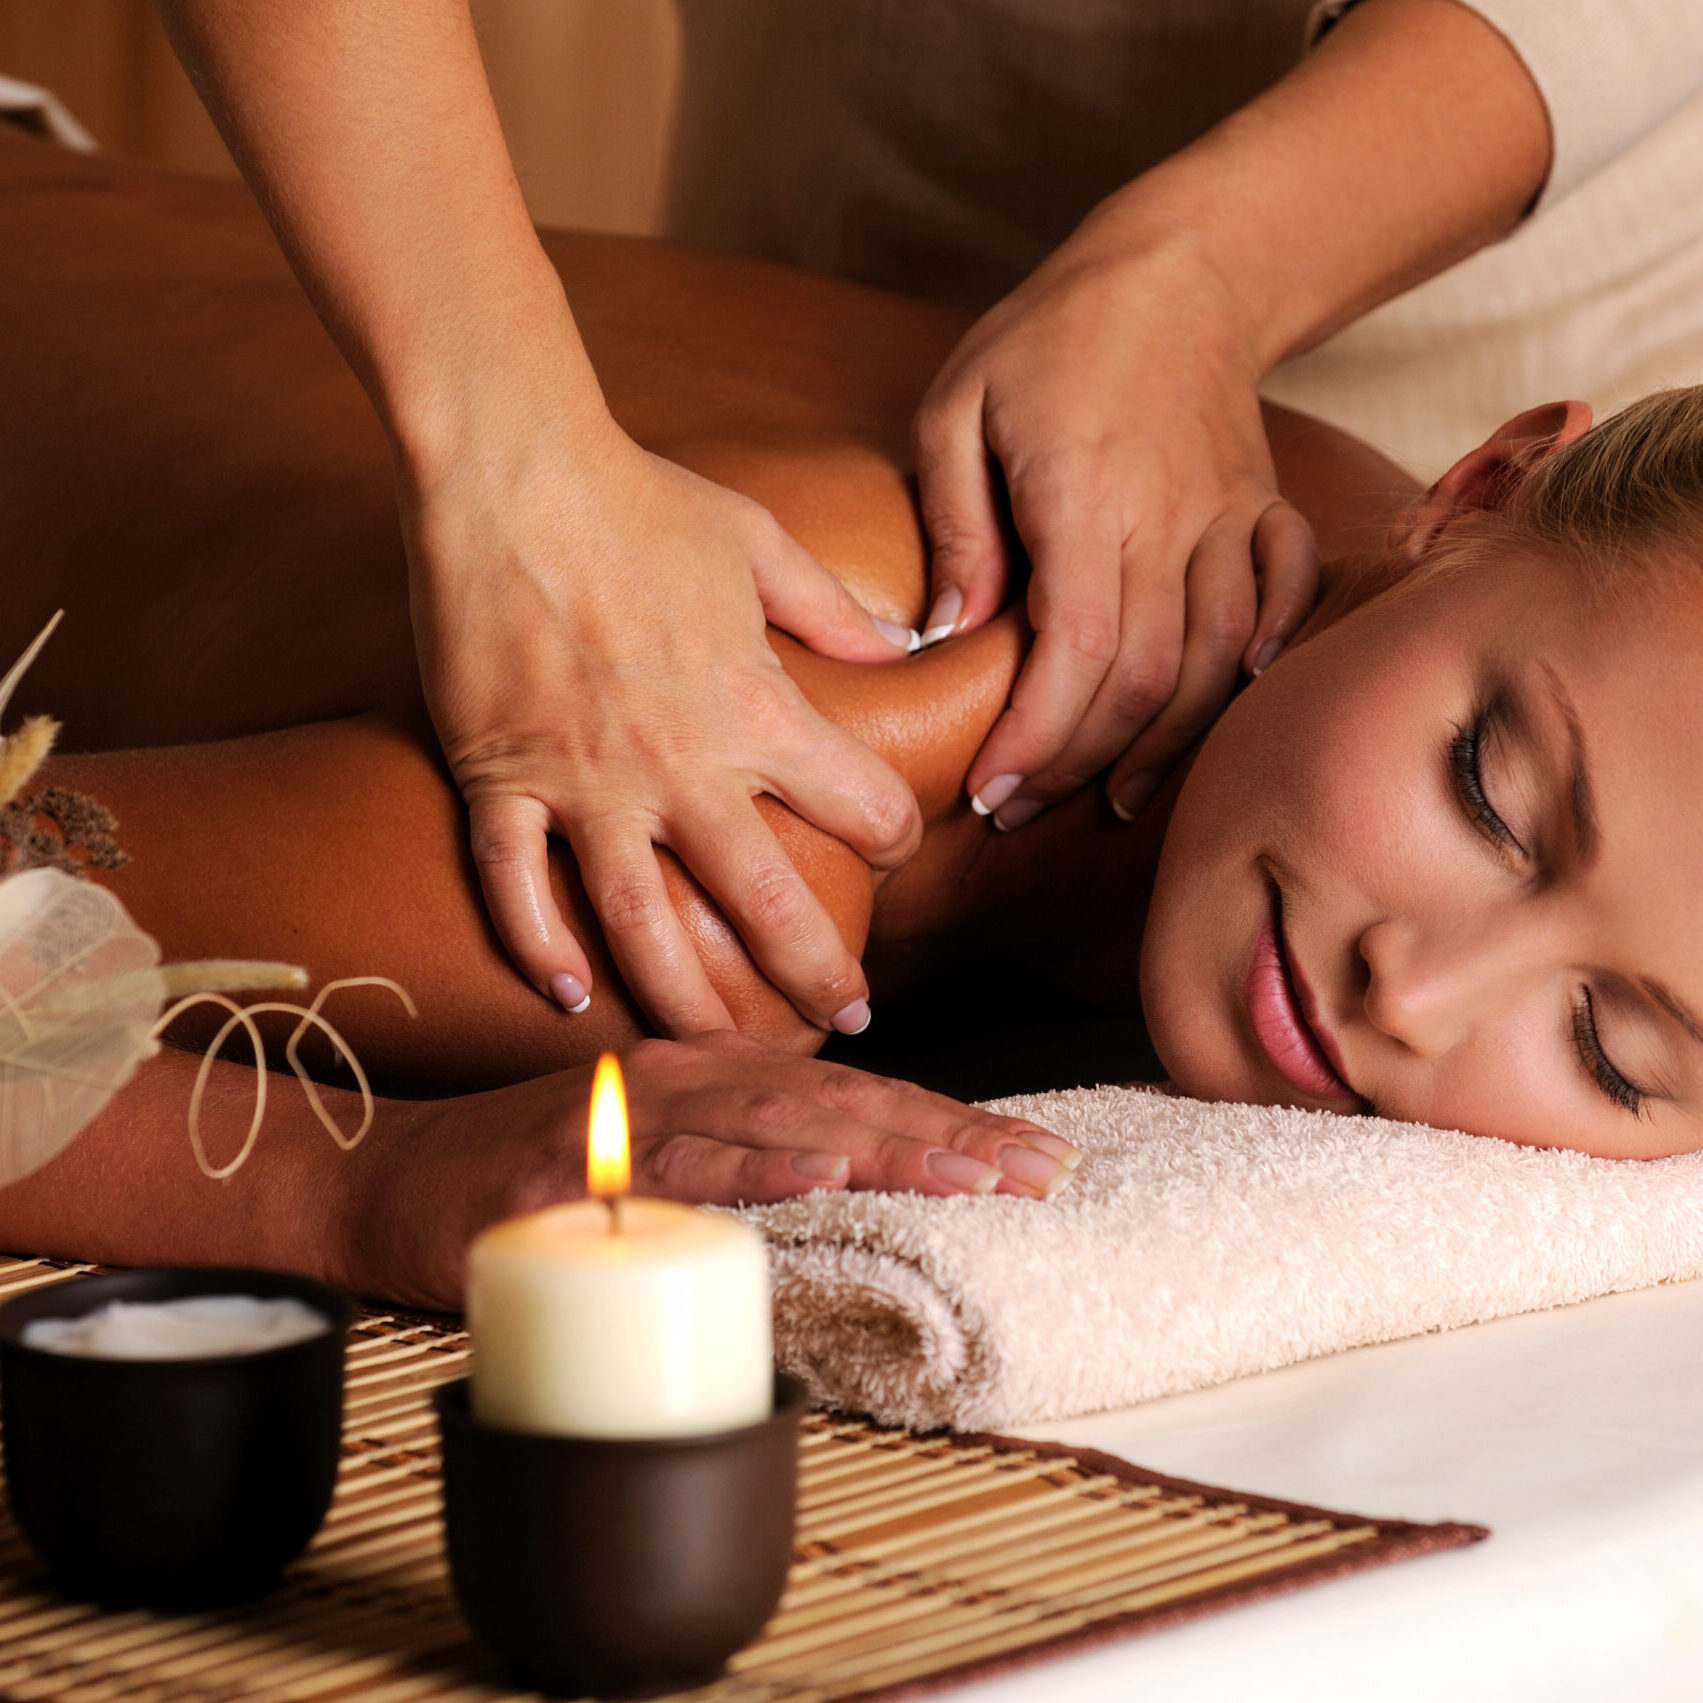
1483,479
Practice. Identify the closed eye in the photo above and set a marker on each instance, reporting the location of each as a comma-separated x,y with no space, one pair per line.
1466,767
1623,1092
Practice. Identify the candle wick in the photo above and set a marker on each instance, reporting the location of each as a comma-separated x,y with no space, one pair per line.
613,1202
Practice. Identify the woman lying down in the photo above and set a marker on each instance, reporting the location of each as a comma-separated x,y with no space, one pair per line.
1441,861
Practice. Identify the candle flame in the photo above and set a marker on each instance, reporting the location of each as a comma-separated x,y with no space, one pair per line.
608,1158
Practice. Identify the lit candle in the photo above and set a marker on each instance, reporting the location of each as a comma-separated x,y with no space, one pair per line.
614,1317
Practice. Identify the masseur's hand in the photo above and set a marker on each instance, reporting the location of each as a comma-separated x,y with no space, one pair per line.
589,618
590,624
1118,400
716,1120
1114,390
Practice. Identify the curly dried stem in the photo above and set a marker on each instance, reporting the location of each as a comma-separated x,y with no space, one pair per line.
311,1017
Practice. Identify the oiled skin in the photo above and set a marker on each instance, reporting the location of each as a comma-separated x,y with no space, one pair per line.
189,469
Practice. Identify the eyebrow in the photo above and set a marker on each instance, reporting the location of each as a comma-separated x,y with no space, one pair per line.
1582,803
1673,1005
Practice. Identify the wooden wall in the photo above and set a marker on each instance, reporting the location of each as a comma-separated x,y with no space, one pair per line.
584,87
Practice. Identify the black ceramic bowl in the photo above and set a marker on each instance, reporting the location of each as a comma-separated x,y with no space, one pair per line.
174,1484
619,1566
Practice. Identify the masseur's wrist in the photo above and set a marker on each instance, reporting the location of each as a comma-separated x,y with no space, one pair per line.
1410,138
512,393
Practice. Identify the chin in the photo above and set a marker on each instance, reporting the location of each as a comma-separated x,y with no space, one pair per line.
1189,1030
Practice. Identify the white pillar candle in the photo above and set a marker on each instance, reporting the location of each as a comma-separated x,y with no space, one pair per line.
657,1329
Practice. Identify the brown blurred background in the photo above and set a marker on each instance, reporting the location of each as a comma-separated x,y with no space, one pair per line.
585,89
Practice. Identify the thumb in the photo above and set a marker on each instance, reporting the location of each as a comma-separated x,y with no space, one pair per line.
955,481
803,598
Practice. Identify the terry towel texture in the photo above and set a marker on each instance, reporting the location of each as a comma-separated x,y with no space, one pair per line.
1198,1243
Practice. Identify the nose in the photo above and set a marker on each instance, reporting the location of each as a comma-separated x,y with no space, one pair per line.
1429,989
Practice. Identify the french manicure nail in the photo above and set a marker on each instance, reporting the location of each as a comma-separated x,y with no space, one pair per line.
1034,1170
1133,793
570,994
942,620
821,1167
904,638
1016,813
1265,656
959,1171
995,794
852,1019
1068,1156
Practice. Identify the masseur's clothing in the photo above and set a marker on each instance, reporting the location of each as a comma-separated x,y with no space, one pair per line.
946,146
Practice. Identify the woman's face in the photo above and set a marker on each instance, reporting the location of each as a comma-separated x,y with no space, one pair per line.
1444,862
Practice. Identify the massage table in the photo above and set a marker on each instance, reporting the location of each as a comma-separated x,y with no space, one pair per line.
1576,1435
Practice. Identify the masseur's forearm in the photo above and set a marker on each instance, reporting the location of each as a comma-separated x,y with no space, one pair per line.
1412,136
367,129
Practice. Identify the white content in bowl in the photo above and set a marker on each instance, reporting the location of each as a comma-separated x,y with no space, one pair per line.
194,1327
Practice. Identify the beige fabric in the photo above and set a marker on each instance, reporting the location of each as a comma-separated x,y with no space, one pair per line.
1200,1243
945,146
1600,295
1610,71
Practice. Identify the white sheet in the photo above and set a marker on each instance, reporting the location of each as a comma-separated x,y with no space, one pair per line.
1577,1435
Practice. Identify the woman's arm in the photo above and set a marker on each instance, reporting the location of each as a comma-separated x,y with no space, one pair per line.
718,1119
341,846
589,618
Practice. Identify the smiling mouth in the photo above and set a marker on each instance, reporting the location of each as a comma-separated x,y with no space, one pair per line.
1278,1013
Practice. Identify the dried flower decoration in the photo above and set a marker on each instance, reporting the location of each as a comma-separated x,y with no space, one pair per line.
81,986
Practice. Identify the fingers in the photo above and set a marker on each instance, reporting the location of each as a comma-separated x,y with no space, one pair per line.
788,933
1075,604
803,598
838,784
1287,558
1163,618
1220,603
1183,638
623,881
892,1135
708,1172
968,569
510,851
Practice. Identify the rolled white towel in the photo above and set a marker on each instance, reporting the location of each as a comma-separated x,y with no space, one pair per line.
1200,1242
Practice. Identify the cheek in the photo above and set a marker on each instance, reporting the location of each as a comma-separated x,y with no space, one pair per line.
1330,766
1324,764
1520,1083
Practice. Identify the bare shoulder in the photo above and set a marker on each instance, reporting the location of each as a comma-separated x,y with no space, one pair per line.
1348,491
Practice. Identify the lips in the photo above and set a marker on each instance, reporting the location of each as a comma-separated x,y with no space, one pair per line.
1277,1011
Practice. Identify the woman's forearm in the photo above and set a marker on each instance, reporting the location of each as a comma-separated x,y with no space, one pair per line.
717,1119
366,128
1412,136
127,1191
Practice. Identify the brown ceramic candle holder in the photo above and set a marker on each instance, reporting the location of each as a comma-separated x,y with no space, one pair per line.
615,1566
172,1484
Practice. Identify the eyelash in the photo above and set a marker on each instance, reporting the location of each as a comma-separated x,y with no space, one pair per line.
1464,764
1464,751
1595,1060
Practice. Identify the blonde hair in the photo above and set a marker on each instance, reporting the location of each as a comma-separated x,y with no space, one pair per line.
1630,489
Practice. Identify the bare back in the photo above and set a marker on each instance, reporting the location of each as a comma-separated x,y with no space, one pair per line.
199,480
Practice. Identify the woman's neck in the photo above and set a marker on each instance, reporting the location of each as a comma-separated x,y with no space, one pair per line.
1064,898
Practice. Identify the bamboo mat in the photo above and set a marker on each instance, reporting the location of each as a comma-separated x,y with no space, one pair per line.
922,1562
